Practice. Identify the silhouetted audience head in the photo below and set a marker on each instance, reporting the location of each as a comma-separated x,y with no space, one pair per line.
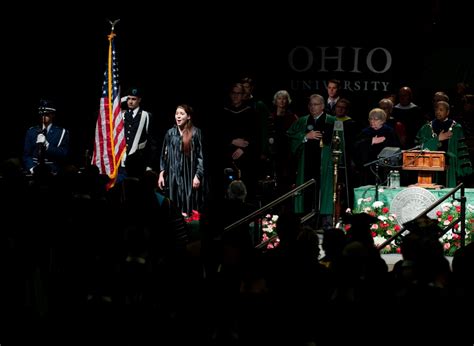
359,227
308,245
237,191
423,225
334,240
11,168
423,254
463,263
288,227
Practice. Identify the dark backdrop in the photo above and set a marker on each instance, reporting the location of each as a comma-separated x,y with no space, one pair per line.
190,53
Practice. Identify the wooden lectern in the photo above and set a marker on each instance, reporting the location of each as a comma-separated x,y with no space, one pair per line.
426,163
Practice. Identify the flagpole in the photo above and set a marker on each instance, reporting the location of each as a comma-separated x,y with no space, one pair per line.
109,143
111,37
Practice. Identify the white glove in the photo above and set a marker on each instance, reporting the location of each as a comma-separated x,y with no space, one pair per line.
41,138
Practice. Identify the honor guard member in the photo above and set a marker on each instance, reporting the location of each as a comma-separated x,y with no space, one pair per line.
46,144
138,131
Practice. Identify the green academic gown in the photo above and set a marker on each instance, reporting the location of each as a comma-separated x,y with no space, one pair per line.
458,162
296,134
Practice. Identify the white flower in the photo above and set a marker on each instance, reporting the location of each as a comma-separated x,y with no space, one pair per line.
268,229
446,206
377,204
269,224
449,235
382,218
379,240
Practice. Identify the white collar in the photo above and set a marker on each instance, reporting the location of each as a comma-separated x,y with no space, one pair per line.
135,112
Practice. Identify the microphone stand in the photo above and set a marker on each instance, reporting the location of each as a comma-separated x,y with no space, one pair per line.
377,181
377,178
336,153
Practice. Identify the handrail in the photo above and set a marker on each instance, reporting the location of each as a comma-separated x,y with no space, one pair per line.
270,205
430,208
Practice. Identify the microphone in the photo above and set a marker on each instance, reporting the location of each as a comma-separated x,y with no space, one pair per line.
419,146
310,127
229,173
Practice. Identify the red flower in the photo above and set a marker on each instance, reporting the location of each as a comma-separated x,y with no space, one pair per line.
195,216
385,210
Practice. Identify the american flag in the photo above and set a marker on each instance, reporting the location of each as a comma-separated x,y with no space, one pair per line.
109,145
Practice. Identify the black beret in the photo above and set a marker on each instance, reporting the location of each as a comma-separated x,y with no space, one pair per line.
134,92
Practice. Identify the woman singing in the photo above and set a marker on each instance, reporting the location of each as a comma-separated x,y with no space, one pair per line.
182,163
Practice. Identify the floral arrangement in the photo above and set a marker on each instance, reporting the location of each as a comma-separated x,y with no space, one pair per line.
269,223
452,239
195,216
386,225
